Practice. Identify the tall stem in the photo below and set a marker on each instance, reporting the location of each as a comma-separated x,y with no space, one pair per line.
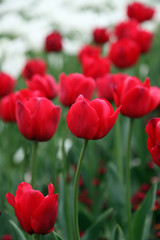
76,226
33,162
128,181
119,149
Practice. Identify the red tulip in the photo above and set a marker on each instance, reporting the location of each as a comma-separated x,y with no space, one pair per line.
140,12
100,35
53,42
35,213
144,39
107,83
91,119
95,67
34,66
137,99
45,84
7,108
124,53
72,86
127,29
153,141
8,103
37,118
7,84
89,51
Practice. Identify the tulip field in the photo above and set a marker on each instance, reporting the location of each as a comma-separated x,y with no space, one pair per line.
80,133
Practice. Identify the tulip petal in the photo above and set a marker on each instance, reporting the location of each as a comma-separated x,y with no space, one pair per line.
82,119
44,217
155,153
30,200
10,199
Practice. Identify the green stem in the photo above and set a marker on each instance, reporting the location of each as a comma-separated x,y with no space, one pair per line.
33,162
76,226
119,149
128,183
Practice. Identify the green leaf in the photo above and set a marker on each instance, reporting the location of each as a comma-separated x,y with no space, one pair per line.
118,233
143,216
94,230
56,236
116,193
18,230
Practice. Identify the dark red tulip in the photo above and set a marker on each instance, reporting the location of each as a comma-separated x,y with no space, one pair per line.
45,84
89,51
153,141
71,86
96,67
136,98
140,12
7,84
37,118
7,237
91,119
124,53
127,29
107,83
144,39
53,42
100,35
34,66
35,213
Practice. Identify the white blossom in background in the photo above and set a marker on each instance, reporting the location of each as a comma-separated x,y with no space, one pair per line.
18,157
25,24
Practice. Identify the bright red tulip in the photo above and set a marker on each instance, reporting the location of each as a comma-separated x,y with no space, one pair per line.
37,118
140,12
153,141
136,98
45,84
124,53
34,66
53,42
107,83
7,84
91,119
71,86
89,51
96,67
35,213
100,35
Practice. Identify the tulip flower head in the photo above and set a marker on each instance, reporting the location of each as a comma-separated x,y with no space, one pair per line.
124,53
100,35
136,98
35,213
153,141
7,84
71,86
140,12
34,66
96,67
107,83
91,119
53,42
45,84
89,51
37,118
